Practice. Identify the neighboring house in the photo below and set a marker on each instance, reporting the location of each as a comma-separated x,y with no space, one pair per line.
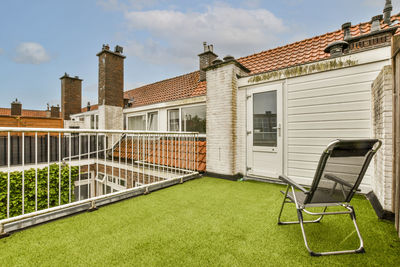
265,114
18,117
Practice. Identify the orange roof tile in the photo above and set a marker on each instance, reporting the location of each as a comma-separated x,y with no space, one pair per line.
180,87
25,112
301,52
178,154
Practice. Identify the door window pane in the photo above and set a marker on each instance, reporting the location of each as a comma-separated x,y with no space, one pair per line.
137,123
173,120
194,119
264,119
152,121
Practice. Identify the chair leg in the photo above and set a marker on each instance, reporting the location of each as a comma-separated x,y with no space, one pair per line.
360,249
294,222
283,204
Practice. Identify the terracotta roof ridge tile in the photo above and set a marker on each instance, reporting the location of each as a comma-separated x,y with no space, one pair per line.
353,27
162,81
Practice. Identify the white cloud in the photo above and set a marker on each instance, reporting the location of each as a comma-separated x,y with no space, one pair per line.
177,37
31,53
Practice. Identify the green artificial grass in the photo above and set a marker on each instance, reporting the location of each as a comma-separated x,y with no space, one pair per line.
202,222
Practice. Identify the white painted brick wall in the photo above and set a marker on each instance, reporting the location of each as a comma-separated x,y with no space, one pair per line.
224,143
110,118
382,125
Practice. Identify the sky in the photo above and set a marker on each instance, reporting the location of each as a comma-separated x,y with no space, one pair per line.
41,40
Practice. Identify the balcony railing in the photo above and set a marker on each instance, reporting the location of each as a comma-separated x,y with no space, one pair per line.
48,170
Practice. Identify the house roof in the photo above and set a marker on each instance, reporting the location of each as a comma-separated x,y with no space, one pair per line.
301,52
180,87
25,112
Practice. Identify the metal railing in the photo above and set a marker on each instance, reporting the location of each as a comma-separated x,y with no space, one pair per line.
82,166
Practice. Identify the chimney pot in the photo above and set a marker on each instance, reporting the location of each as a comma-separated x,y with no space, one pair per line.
387,12
118,49
205,46
346,30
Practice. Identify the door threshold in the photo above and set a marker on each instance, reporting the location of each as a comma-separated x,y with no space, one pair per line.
262,179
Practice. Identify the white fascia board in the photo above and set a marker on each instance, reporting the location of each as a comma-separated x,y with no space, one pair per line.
91,112
361,58
181,102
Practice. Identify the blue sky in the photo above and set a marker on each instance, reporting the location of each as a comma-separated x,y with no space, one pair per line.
42,39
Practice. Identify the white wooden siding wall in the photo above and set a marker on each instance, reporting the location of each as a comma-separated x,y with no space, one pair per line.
323,107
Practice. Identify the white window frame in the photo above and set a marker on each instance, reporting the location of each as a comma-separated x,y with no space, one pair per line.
147,119
180,115
145,114
135,115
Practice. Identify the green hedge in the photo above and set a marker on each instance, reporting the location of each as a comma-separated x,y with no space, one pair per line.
16,189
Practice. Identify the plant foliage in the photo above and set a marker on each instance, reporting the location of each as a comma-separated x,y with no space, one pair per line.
44,181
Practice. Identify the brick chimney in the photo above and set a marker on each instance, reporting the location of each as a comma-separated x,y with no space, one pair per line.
71,96
111,76
206,58
55,111
16,108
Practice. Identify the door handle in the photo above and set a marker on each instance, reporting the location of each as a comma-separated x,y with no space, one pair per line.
278,128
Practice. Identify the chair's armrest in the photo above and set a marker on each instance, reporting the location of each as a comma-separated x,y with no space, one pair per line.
289,181
338,180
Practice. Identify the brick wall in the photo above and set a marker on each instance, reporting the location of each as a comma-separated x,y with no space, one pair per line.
382,127
111,78
71,96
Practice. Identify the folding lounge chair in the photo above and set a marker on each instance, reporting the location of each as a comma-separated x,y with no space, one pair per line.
339,173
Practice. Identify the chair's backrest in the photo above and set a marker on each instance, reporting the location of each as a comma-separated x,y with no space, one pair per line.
341,169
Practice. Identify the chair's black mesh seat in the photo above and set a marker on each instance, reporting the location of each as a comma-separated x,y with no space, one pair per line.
319,197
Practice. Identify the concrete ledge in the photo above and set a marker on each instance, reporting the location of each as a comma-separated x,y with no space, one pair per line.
44,218
224,176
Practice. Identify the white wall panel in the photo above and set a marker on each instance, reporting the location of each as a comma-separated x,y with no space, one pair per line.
323,107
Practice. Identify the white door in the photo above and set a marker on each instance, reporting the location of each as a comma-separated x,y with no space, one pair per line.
264,131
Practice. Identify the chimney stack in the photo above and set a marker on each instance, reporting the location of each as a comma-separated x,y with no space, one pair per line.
346,30
386,12
55,111
376,23
111,76
206,58
16,108
71,96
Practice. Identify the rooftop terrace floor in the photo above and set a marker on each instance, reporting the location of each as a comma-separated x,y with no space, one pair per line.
202,222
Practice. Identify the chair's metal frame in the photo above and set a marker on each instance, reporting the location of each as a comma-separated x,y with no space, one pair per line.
309,194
